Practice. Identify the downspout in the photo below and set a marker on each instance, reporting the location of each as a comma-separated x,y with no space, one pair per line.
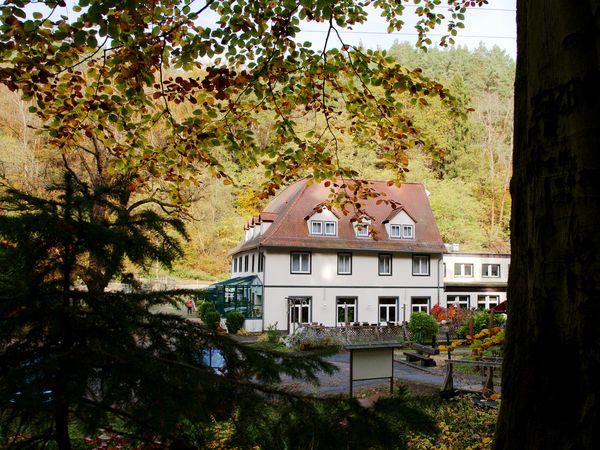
264,277
440,263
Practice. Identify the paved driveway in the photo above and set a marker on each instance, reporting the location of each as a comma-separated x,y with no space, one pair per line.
339,382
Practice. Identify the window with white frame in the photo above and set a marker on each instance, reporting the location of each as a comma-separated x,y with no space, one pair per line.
490,270
387,309
458,301
330,228
419,304
234,265
300,262
385,264
346,310
463,270
344,264
401,231
300,311
362,228
420,264
487,301
316,227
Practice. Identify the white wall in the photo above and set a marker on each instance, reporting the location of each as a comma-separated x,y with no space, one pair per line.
477,260
365,271
323,285
324,301
477,285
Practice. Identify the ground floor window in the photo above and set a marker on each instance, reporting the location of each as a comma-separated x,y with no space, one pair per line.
420,304
346,310
299,312
487,301
458,301
388,309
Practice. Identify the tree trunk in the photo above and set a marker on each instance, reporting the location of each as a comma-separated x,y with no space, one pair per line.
550,385
61,418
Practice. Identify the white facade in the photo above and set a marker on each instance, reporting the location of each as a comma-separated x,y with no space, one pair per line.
323,264
475,280
322,295
328,290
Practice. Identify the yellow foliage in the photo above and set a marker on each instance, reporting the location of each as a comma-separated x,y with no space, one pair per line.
222,433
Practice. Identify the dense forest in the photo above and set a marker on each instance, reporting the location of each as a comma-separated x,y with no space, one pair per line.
467,178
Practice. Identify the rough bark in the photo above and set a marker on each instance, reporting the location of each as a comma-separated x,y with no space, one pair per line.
550,386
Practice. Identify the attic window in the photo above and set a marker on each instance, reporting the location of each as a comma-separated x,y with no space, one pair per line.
330,228
402,231
316,227
362,228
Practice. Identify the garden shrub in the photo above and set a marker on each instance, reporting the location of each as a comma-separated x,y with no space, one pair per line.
422,326
461,423
481,321
271,336
212,319
203,308
235,321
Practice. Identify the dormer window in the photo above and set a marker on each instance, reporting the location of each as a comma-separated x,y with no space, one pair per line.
362,228
330,229
401,231
319,227
316,227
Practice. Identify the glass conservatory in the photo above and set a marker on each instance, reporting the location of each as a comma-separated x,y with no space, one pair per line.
242,294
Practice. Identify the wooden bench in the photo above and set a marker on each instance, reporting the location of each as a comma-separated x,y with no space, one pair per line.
488,382
422,353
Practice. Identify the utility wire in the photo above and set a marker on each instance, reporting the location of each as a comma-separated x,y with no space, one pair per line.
399,33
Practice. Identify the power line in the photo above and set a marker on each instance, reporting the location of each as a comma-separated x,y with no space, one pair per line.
400,33
471,8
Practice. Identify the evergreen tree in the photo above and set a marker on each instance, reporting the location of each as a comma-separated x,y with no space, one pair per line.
74,355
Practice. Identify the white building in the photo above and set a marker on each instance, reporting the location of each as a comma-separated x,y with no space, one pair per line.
316,265
475,280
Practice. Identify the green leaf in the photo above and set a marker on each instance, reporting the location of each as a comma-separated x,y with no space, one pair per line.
79,37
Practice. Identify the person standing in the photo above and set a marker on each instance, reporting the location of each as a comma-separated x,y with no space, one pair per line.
191,306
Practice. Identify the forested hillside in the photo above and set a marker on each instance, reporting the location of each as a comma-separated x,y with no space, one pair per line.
469,183
468,180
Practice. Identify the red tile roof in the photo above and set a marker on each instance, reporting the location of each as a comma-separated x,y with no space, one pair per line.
290,208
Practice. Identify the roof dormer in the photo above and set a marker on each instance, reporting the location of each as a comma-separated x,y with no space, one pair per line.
322,222
362,226
400,225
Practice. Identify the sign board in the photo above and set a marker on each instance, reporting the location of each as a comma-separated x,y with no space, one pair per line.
370,363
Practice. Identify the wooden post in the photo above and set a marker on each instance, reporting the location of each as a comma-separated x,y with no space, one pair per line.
488,389
448,388
351,374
